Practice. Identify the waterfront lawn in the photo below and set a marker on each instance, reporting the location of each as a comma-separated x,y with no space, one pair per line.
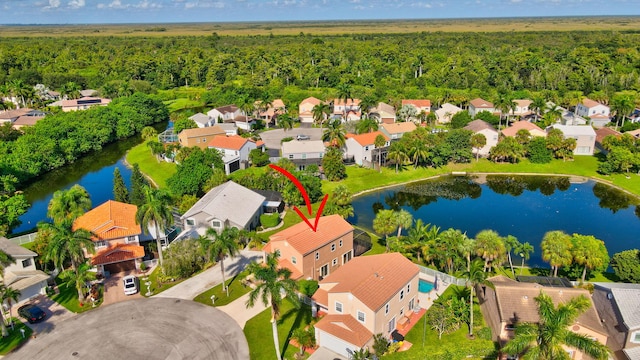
15,338
260,338
158,171
181,104
236,290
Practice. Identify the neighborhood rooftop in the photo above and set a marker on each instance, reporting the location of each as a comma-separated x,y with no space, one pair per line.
110,220
305,240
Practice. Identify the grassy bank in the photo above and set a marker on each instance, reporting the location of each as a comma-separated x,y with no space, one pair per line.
158,171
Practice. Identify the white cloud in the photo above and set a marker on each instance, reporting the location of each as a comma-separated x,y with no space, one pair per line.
76,4
205,4
53,4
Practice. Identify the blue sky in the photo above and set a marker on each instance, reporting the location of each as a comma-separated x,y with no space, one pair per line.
150,11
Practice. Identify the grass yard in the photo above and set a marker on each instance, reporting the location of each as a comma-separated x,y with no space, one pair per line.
236,290
260,338
68,297
181,104
158,171
15,338
156,285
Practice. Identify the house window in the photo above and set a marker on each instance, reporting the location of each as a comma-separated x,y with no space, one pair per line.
215,223
361,316
334,262
366,148
294,260
386,309
333,247
317,255
291,156
411,304
346,257
340,242
204,140
635,337
191,222
304,156
408,288
402,311
26,263
401,294
339,307
131,239
101,244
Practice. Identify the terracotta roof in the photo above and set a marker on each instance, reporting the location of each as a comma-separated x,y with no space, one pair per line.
110,220
605,131
350,102
118,253
321,296
517,299
417,103
520,125
634,133
227,109
234,142
14,114
523,102
481,103
311,100
399,127
479,125
305,240
367,138
345,327
590,103
205,131
27,120
85,101
259,143
284,263
373,279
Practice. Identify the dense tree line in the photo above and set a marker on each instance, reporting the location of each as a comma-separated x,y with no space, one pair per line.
62,138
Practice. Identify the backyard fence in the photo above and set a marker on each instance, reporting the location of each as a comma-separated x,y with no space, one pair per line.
24,239
442,276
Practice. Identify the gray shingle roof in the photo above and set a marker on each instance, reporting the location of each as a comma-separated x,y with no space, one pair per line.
479,125
12,249
200,118
228,201
627,299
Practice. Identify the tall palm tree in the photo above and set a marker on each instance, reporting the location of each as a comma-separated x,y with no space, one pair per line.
511,243
404,219
419,152
68,204
478,141
285,121
397,154
321,113
156,213
524,251
466,248
335,134
71,90
537,105
9,295
622,105
78,278
475,276
67,243
366,125
344,94
490,247
272,281
556,249
505,104
220,245
384,224
545,340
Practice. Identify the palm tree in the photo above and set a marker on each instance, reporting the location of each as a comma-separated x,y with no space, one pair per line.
511,243
69,204
622,104
344,93
490,247
321,113
467,248
404,219
304,337
67,243
220,245
475,276
556,249
272,281
9,295
335,134
156,213
366,125
419,152
384,223
505,104
524,251
366,104
397,155
414,240
545,340
537,105
78,278
285,121
478,141
71,90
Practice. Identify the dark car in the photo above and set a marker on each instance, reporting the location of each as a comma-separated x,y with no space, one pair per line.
32,313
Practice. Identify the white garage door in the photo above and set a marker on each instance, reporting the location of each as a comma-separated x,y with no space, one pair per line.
32,291
335,344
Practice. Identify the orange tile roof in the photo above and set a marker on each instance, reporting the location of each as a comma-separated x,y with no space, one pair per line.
481,103
311,100
604,132
286,264
399,127
259,143
110,220
305,240
321,296
345,327
417,103
519,125
367,138
234,142
118,253
349,102
373,279
590,103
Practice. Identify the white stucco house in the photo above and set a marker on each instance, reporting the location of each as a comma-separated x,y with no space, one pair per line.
489,132
22,274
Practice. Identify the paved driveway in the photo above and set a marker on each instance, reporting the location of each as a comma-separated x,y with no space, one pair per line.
272,138
55,314
114,289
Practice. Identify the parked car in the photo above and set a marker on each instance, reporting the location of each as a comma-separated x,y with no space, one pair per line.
32,313
303,137
130,284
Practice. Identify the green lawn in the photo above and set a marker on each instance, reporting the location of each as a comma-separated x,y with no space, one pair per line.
158,171
260,338
15,338
68,297
157,286
236,290
181,104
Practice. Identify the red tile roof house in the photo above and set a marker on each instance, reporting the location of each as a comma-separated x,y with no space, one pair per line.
117,236
235,151
271,112
419,105
350,109
314,254
369,295
603,133
597,112
305,109
533,129
361,147
81,104
478,105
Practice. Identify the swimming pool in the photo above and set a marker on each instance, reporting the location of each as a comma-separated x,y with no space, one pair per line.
424,286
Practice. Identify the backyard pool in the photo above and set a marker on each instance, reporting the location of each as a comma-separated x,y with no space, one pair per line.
424,286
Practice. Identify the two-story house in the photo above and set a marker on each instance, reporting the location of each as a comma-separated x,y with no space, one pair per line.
270,113
305,109
314,254
598,113
396,130
585,137
522,107
303,152
477,105
348,110
533,129
489,132
117,236
369,295
384,113
235,151
22,274
446,112
202,120
224,206
362,146
510,302
421,105
227,113
619,307
199,137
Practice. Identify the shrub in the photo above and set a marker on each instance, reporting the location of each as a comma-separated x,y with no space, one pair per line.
183,259
269,220
626,265
286,139
308,287
380,344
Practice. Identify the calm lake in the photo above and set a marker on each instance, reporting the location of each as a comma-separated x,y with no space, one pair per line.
523,206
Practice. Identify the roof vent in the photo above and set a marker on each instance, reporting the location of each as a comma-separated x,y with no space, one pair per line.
525,297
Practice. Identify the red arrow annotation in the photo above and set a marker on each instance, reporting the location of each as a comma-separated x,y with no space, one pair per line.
305,196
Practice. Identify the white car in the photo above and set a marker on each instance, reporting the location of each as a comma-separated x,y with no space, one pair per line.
130,284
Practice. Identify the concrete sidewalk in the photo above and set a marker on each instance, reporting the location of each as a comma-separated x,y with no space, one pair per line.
239,311
192,287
